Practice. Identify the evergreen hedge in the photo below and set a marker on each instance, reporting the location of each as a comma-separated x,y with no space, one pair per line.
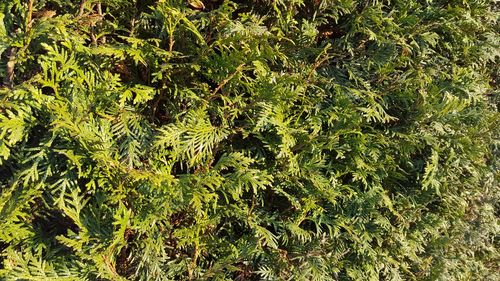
249,140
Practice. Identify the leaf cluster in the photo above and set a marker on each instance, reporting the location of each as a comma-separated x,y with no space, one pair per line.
249,140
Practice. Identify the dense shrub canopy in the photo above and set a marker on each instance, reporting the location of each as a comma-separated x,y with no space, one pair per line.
249,140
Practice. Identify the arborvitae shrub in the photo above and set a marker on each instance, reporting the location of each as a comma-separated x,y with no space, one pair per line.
249,140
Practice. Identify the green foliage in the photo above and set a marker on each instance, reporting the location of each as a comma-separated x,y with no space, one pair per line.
249,140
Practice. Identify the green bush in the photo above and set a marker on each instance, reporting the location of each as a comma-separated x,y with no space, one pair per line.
249,140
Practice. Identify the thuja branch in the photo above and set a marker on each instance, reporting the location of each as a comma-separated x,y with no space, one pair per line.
30,15
99,12
12,53
225,81
11,63
193,261
82,8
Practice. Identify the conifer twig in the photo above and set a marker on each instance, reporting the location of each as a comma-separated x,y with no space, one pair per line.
99,12
30,15
132,26
110,266
170,43
11,63
82,8
319,61
193,262
11,57
315,66
225,81
93,37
